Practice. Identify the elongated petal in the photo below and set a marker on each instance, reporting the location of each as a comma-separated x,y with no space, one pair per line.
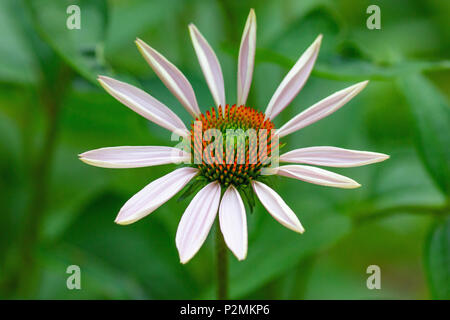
144,104
294,80
154,195
209,64
332,157
174,80
197,220
133,157
246,59
321,109
233,222
316,176
277,207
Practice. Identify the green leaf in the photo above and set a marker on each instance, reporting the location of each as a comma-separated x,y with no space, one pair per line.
81,48
342,67
17,61
437,259
404,183
431,113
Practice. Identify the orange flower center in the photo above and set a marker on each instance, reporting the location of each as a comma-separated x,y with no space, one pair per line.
232,146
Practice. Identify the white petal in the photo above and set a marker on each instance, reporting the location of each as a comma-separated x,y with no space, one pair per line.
154,195
133,157
277,207
316,176
197,220
332,157
321,109
233,222
144,104
210,65
294,80
246,58
174,80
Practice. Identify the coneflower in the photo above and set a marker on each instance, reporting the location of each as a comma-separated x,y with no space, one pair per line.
238,168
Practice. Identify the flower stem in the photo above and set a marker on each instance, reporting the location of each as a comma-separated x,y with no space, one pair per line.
221,265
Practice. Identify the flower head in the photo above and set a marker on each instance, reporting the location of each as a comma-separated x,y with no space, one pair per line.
229,148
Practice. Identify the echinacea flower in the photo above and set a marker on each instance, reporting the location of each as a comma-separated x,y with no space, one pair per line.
226,178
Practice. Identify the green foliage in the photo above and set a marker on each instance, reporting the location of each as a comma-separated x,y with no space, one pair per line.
57,211
431,113
437,259
81,48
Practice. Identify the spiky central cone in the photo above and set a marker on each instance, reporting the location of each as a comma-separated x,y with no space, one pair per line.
232,146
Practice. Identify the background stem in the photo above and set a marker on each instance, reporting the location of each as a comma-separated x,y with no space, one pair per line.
221,265
51,97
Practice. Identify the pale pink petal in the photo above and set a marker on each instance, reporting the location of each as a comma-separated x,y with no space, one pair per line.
321,109
154,195
316,176
197,220
246,59
209,64
144,104
134,157
294,80
233,222
174,80
332,157
277,207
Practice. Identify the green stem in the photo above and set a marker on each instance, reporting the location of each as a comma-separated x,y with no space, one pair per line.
362,218
222,265
51,95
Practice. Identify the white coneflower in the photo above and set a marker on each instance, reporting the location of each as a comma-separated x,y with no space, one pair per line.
225,181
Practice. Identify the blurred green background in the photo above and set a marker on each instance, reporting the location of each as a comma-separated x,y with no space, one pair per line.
56,211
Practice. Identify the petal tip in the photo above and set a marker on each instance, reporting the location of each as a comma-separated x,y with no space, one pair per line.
120,222
297,226
88,161
241,258
351,184
363,84
138,44
184,260
142,45
356,88
103,80
123,221
318,40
